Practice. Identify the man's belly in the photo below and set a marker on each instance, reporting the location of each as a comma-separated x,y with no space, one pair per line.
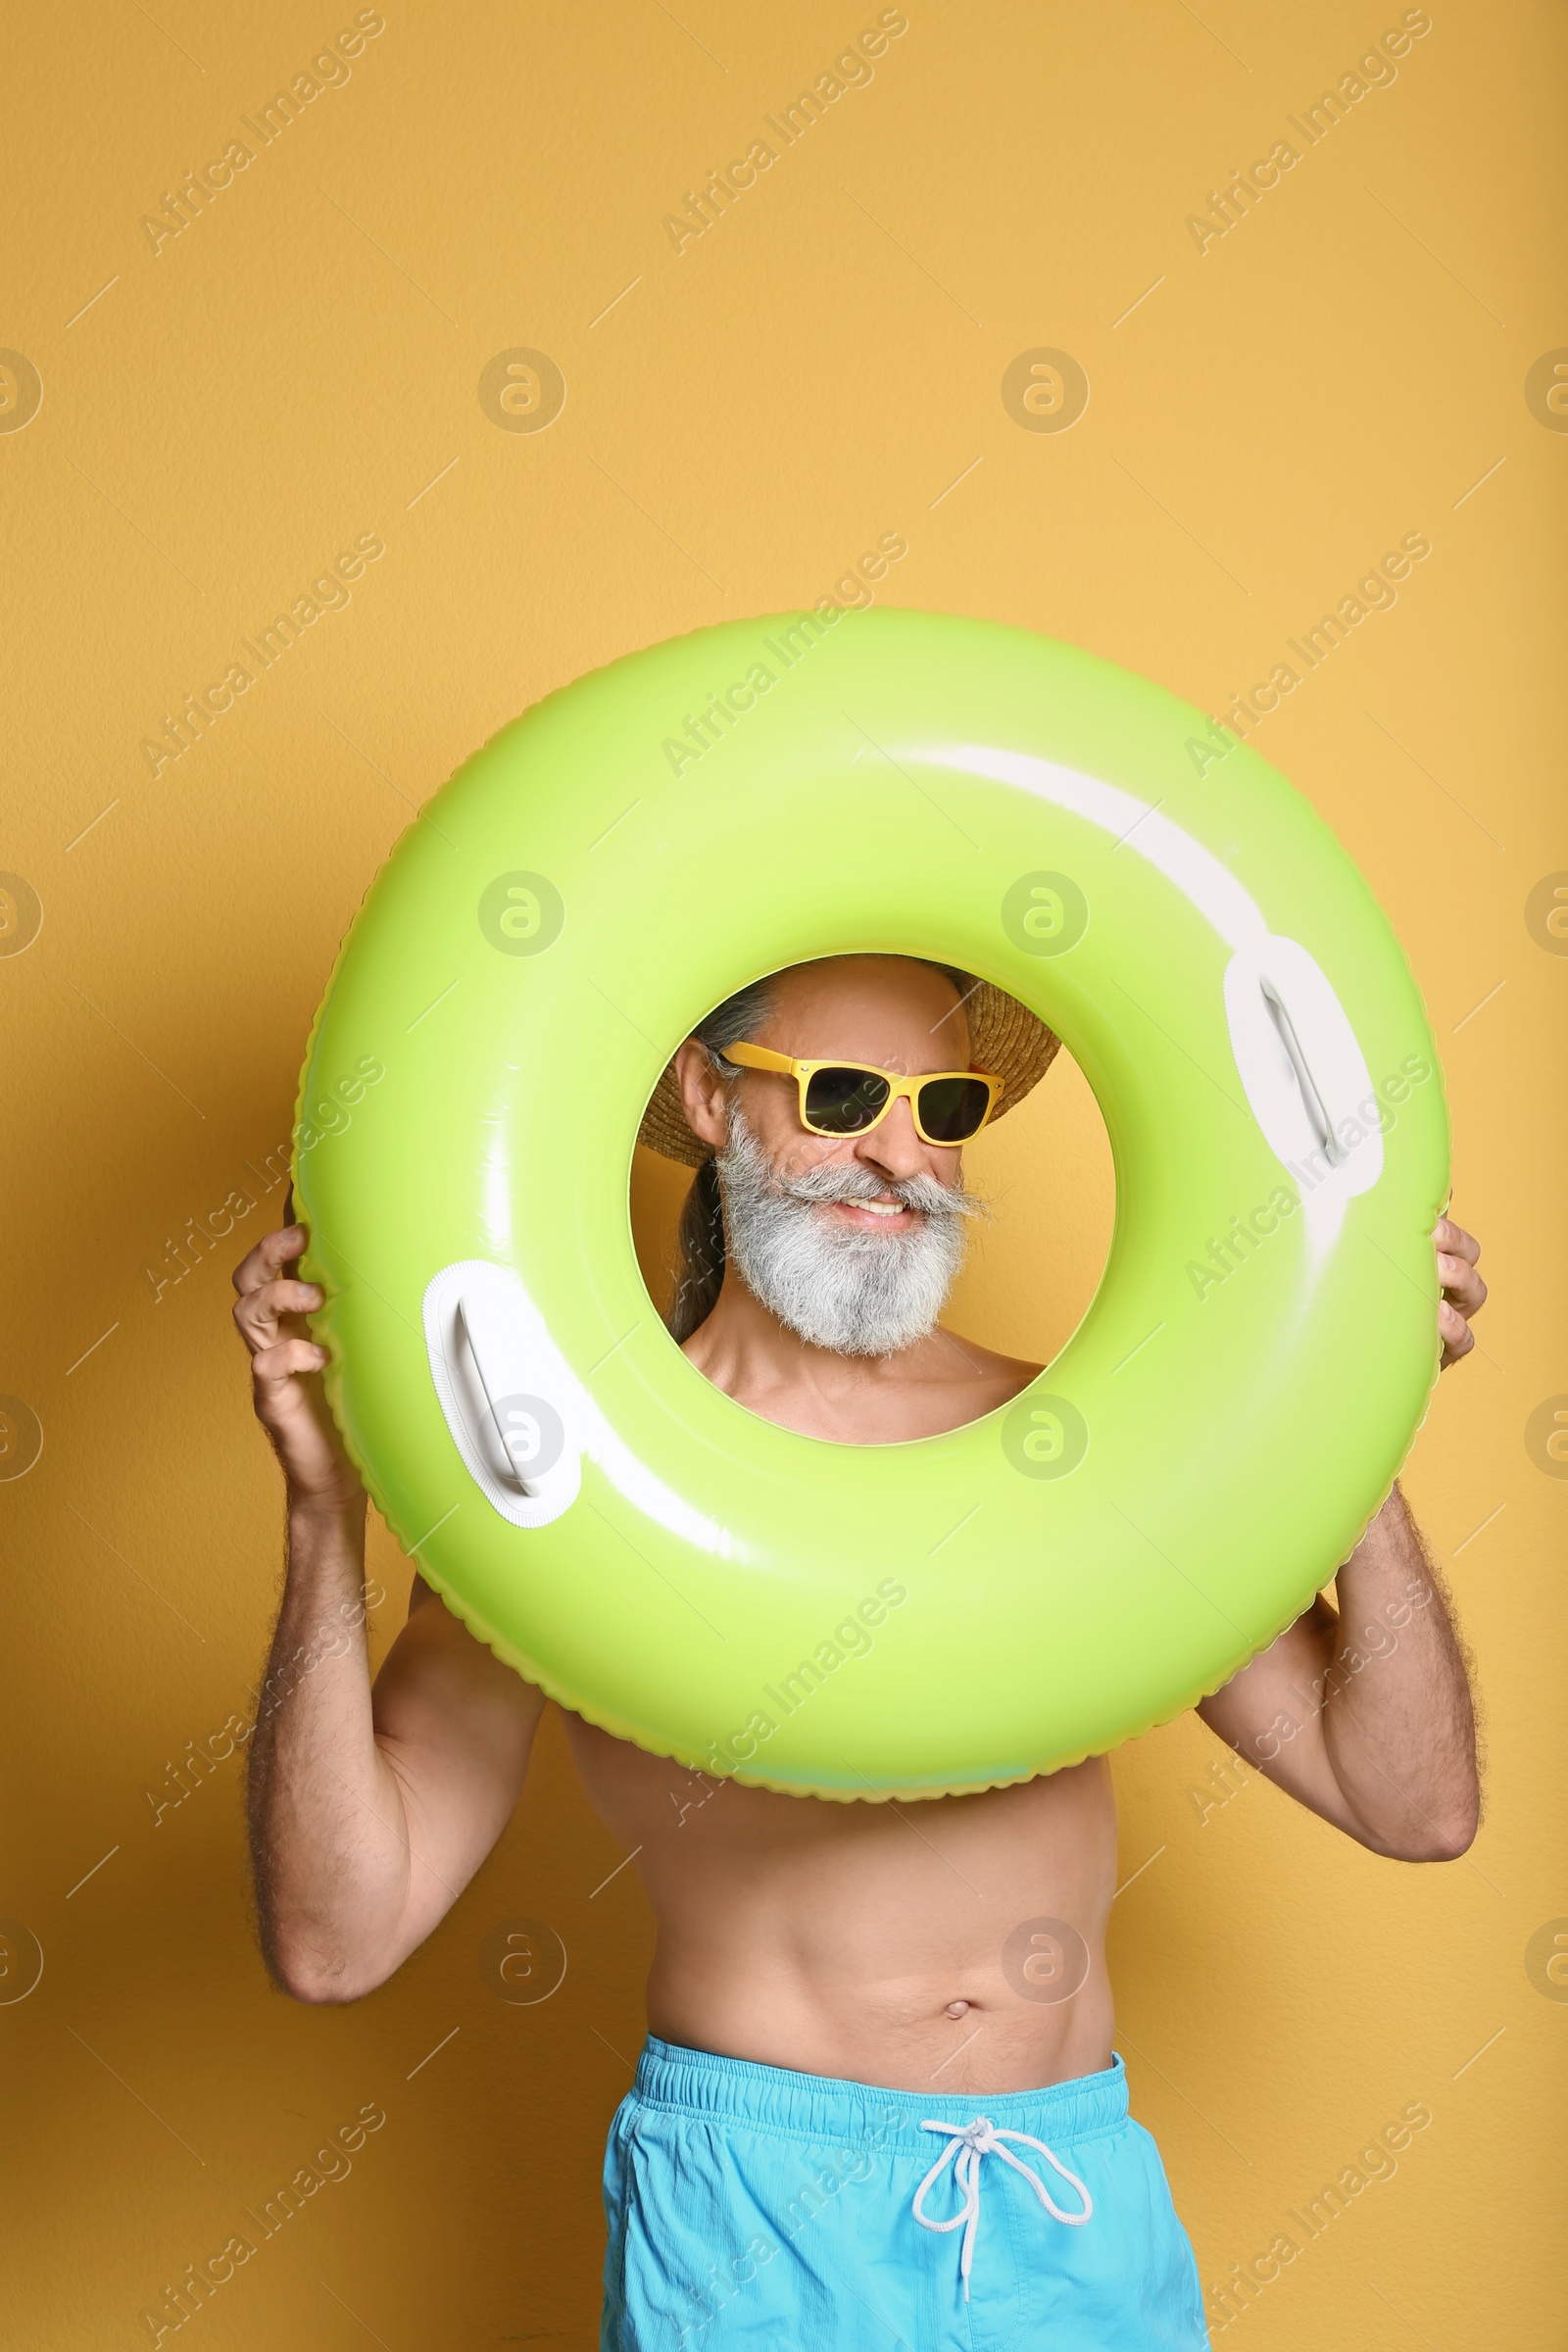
958,1942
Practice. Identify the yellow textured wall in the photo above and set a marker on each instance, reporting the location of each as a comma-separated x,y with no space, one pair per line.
1363,354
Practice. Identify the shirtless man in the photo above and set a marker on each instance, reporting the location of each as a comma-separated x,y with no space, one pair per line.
832,2019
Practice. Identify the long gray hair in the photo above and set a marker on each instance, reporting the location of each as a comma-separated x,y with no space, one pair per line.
699,1236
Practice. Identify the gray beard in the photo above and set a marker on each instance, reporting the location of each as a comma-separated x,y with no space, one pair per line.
856,1292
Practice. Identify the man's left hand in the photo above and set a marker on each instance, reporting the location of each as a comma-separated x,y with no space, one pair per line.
1464,1293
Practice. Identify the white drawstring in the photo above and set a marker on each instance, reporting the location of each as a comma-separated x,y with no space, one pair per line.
970,2144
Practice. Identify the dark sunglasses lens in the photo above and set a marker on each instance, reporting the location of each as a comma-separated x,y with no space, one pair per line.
843,1102
952,1110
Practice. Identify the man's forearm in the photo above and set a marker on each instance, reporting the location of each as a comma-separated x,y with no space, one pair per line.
1398,1723
325,1811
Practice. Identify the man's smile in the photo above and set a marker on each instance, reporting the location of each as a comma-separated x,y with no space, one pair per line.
884,1212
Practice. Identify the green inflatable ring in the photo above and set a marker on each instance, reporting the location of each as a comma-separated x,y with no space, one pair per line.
962,1611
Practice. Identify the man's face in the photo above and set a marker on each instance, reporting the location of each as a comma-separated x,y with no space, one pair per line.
850,1241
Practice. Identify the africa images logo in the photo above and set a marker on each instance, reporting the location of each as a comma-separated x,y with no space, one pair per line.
330,70
852,69
197,714
1375,70
853,592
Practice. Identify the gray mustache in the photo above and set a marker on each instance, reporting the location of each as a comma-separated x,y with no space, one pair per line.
924,1192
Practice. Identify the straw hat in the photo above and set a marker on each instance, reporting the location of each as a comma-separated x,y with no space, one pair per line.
1006,1039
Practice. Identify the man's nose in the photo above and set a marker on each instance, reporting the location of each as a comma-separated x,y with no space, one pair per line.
894,1148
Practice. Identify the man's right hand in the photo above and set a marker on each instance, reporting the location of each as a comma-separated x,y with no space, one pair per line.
286,1374
370,1809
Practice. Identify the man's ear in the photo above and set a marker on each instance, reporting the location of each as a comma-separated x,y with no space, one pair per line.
702,1094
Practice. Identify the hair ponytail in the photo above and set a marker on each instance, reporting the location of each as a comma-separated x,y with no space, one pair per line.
698,1253
699,1236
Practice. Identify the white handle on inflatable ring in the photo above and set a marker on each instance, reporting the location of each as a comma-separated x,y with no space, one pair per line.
1306,1077
520,1431
501,1395
1312,1100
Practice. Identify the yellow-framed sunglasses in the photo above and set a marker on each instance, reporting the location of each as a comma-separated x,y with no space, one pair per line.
850,1098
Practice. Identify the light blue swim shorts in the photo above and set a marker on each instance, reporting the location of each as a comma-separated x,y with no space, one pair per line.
750,2206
